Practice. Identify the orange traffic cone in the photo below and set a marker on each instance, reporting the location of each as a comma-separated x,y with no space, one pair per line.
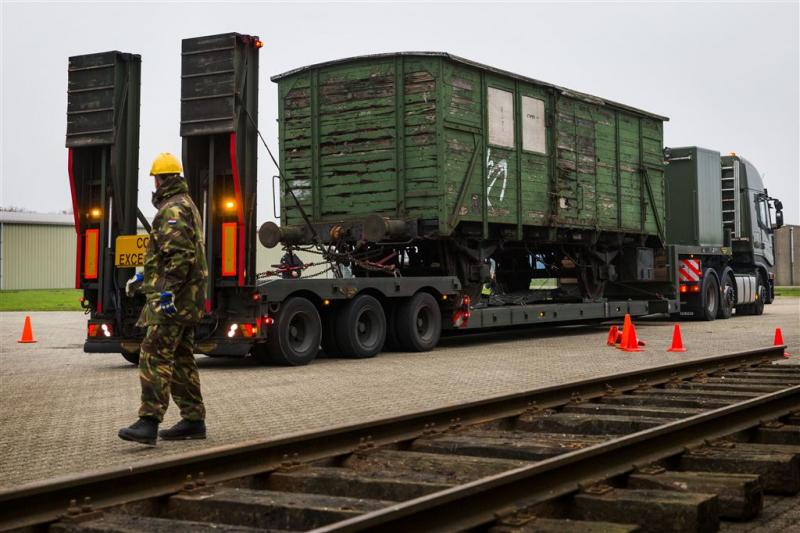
779,341
27,331
630,342
613,335
626,331
677,340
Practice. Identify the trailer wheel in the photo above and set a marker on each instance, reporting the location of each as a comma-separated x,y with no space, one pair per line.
361,327
131,357
708,304
727,299
419,323
295,337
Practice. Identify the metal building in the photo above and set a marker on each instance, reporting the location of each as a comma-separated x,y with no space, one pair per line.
787,256
37,251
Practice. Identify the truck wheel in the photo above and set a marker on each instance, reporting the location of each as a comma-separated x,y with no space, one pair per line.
131,357
361,327
419,323
769,293
761,296
709,298
727,299
295,337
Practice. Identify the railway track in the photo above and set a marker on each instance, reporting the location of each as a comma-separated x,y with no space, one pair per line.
682,445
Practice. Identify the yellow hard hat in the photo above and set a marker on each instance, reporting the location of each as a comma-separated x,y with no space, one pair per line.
165,163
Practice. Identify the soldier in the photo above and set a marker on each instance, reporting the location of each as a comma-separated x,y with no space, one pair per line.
174,284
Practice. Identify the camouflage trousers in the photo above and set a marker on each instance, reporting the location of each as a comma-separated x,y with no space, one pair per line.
167,366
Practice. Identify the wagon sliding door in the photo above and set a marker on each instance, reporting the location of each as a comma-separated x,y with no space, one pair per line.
501,170
577,162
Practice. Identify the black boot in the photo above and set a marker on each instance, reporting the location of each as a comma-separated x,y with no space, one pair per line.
185,430
144,430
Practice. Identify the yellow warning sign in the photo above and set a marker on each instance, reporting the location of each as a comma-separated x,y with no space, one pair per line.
129,250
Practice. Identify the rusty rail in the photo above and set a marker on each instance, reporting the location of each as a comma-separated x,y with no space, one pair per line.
46,501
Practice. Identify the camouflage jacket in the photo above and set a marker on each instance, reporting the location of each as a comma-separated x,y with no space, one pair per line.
175,258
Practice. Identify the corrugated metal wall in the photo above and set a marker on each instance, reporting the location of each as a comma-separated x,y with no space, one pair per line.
36,256
787,261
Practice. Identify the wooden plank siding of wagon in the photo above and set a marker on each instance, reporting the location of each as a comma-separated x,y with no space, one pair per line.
408,136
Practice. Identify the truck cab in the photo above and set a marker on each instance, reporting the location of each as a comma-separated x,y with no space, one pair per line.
720,230
746,216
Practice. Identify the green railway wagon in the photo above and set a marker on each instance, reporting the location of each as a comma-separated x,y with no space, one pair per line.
434,137
403,146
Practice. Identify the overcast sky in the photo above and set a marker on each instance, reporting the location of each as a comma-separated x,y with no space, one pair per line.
727,74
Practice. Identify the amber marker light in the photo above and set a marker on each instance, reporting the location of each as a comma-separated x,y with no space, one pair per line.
258,43
95,212
326,302
229,205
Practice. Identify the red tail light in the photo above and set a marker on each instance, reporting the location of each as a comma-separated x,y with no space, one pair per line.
462,312
99,330
694,288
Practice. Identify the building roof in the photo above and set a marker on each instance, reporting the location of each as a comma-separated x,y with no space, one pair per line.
48,219
42,219
468,62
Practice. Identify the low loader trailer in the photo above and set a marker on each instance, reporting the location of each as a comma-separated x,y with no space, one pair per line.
429,193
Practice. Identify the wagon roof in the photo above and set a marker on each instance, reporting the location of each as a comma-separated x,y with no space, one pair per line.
481,66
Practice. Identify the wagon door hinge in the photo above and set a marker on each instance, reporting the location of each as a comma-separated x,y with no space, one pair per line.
652,199
456,214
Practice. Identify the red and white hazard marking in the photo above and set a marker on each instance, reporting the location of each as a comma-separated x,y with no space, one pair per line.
690,270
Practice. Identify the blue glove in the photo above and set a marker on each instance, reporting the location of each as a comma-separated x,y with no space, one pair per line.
133,284
167,302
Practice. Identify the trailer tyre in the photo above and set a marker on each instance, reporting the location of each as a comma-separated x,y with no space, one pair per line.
295,337
131,357
709,297
419,323
361,327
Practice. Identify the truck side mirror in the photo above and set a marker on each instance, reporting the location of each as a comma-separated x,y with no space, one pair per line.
778,219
